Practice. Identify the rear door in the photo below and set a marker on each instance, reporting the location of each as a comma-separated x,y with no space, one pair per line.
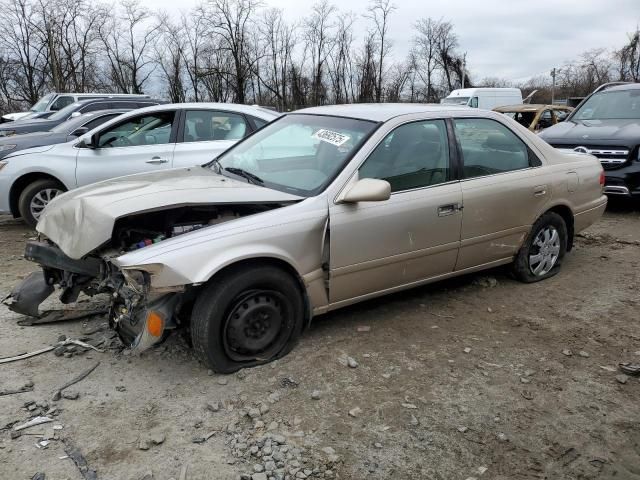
205,134
138,144
504,187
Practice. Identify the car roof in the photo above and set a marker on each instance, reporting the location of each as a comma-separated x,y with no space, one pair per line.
381,112
528,107
626,86
260,112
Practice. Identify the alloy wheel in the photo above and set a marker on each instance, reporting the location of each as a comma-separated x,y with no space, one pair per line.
41,199
544,251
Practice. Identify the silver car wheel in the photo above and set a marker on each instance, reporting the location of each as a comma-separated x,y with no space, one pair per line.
41,199
545,250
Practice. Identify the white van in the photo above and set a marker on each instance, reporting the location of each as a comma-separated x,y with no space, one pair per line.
485,98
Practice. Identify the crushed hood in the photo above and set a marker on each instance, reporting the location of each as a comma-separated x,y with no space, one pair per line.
82,220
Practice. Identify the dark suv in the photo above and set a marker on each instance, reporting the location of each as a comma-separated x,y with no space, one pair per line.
73,110
606,124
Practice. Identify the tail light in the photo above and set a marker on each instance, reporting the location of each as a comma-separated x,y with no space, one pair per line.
602,180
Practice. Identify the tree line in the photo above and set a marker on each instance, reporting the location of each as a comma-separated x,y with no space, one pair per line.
242,51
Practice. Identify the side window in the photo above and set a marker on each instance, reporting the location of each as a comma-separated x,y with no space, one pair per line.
96,122
61,102
561,115
94,107
546,120
150,129
258,122
205,125
488,147
414,155
474,102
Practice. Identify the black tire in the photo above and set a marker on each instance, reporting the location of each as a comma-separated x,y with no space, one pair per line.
30,192
523,266
247,316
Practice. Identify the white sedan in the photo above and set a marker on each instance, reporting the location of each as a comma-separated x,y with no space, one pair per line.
152,138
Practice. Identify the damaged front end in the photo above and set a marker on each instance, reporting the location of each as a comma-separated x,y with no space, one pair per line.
140,313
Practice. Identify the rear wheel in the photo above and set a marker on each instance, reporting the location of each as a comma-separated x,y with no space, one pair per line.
246,317
35,197
541,255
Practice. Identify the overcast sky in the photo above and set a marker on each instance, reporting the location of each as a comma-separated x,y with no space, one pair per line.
514,39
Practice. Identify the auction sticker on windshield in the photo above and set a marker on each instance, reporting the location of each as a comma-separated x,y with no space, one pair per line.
334,138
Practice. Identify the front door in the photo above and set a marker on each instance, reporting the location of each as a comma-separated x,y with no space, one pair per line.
504,187
138,144
206,134
375,246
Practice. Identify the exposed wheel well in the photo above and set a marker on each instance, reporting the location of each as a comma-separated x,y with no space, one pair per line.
21,183
567,215
275,262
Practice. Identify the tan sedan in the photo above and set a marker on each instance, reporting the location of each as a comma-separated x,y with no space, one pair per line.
536,117
320,209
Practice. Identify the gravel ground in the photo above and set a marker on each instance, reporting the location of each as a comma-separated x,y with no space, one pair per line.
478,377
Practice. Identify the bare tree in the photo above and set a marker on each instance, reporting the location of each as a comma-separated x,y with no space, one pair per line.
318,33
379,12
128,39
230,21
426,49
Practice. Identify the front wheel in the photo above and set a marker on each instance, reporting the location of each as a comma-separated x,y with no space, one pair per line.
541,255
246,317
35,197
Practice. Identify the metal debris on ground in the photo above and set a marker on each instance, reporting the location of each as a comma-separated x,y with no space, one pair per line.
81,463
54,316
32,423
632,369
58,394
26,355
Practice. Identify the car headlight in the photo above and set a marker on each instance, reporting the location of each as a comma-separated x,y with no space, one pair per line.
7,133
3,164
6,148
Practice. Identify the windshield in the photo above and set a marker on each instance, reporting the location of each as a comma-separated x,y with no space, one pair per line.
621,104
71,124
455,100
298,153
41,105
64,113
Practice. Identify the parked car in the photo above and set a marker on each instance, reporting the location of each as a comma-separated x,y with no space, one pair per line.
64,132
248,248
53,102
606,124
536,117
143,140
78,108
485,98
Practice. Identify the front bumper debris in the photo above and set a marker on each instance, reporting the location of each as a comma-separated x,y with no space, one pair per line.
26,297
140,318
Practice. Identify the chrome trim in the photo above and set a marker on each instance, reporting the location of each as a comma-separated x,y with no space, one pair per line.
595,152
616,190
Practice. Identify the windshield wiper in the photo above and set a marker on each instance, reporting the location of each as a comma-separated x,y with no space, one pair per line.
256,180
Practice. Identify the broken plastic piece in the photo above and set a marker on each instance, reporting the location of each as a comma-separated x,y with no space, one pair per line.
26,297
632,369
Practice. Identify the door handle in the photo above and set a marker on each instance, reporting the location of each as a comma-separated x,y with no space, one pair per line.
449,209
540,190
157,161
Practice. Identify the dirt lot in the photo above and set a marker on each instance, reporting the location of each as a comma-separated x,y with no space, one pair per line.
463,379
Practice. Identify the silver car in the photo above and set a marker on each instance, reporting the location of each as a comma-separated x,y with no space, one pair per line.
320,209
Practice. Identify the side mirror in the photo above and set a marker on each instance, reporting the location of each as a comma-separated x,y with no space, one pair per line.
367,190
78,132
91,143
75,114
